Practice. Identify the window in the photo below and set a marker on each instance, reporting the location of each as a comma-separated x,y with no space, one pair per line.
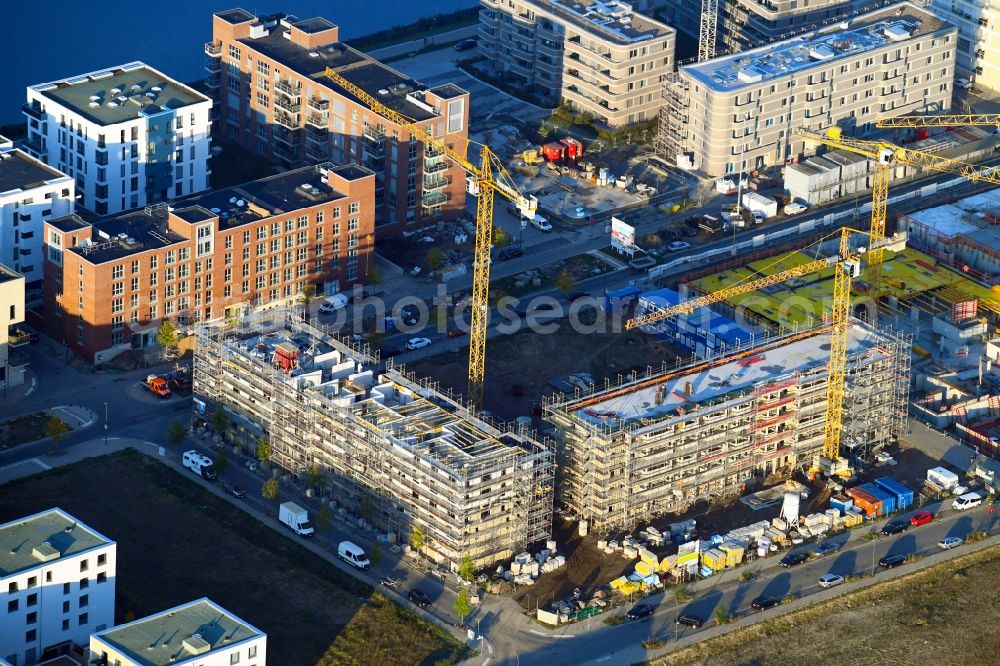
12,588
65,588
102,577
84,583
234,658
84,600
135,267
252,652
30,636
31,618
82,620
32,599
33,581
12,605
116,272
65,607
65,625
354,207
353,224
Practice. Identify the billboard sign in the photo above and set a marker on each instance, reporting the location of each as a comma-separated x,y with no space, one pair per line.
622,236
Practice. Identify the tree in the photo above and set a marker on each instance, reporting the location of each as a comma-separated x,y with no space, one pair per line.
270,489
565,281
467,570
462,605
324,519
306,297
417,538
435,258
167,335
221,462
56,428
220,420
314,476
375,555
263,450
501,238
367,508
176,432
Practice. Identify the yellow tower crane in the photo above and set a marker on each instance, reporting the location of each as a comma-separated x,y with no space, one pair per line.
941,120
847,266
884,156
489,177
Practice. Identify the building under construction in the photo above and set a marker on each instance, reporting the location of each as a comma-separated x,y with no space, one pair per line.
394,451
700,431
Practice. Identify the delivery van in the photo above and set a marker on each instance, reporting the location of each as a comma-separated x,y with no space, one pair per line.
353,554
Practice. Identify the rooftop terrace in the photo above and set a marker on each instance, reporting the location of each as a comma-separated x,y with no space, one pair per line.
608,19
193,630
816,49
20,171
689,389
120,94
43,538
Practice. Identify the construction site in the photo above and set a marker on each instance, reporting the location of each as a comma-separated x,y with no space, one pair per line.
395,453
705,430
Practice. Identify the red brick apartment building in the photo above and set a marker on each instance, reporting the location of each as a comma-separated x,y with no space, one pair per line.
266,75
108,285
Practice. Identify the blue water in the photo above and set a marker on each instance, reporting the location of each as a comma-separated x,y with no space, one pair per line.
52,39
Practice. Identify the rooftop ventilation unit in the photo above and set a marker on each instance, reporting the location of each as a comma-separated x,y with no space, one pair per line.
750,75
112,103
821,52
95,98
383,91
241,203
897,32
151,95
314,54
93,104
135,87
116,91
156,89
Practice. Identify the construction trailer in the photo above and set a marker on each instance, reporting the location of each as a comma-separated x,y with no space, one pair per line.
395,452
704,430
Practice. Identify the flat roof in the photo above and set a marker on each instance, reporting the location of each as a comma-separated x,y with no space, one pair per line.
682,391
141,91
42,538
895,25
21,171
314,25
196,629
235,16
391,87
608,19
8,274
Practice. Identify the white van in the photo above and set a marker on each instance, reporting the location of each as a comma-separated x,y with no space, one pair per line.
353,554
967,501
332,303
199,464
541,223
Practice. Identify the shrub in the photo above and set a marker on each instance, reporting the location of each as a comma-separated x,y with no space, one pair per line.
653,643
614,620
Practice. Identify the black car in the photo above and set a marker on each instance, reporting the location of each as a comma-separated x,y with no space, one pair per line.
890,561
389,353
762,602
237,492
511,253
689,620
826,548
639,610
895,527
792,559
465,45
419,598
576,295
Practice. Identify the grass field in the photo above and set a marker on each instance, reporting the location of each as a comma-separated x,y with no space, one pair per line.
177,542
945,614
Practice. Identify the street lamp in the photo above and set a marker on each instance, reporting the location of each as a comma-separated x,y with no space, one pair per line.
105,424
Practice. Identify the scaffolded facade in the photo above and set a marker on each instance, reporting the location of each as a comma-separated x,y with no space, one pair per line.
393,450
701,431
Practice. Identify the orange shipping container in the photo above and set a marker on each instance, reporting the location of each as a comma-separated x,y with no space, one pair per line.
865,501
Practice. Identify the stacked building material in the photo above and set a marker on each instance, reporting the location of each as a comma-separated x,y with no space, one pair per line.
734,553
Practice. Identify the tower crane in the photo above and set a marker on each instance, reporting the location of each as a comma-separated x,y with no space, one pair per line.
941,120
707,29
488,178
884,156
847,265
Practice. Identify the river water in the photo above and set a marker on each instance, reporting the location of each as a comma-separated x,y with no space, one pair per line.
53,39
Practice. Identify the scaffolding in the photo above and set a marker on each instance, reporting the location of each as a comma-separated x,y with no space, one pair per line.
393,450
672,138
659,443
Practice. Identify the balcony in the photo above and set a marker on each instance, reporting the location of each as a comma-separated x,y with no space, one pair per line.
213,65
287,104
319,138
33,110
284,154
431,199
289,138
213,49
317,104
214,82
316,152
435,167
288,88
33,144
286,119
435,182
373,142
320,120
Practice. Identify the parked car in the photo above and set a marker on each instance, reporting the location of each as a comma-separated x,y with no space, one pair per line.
794,208
465,45
890,561
948,543
921,518
511,252
419,598
677,246
895,527
689,620
790,560
333,303
417,343
237,492
829,580
826,548
389,353
762,602
541,223
638,611
963,83
455,333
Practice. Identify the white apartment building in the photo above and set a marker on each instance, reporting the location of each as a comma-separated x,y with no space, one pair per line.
978,53
57,585
599,56
129,135
30,194
199,633
742,111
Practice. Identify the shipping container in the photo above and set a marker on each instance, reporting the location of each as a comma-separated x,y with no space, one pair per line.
904,496
864,501
888,499
841,503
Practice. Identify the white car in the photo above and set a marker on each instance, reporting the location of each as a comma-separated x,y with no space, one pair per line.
964,84
794,208
676,246
829,580
541,223
417,343
948,543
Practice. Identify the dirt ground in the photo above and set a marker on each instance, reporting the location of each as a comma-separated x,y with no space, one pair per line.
531,359
22,429
177,542
942,615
